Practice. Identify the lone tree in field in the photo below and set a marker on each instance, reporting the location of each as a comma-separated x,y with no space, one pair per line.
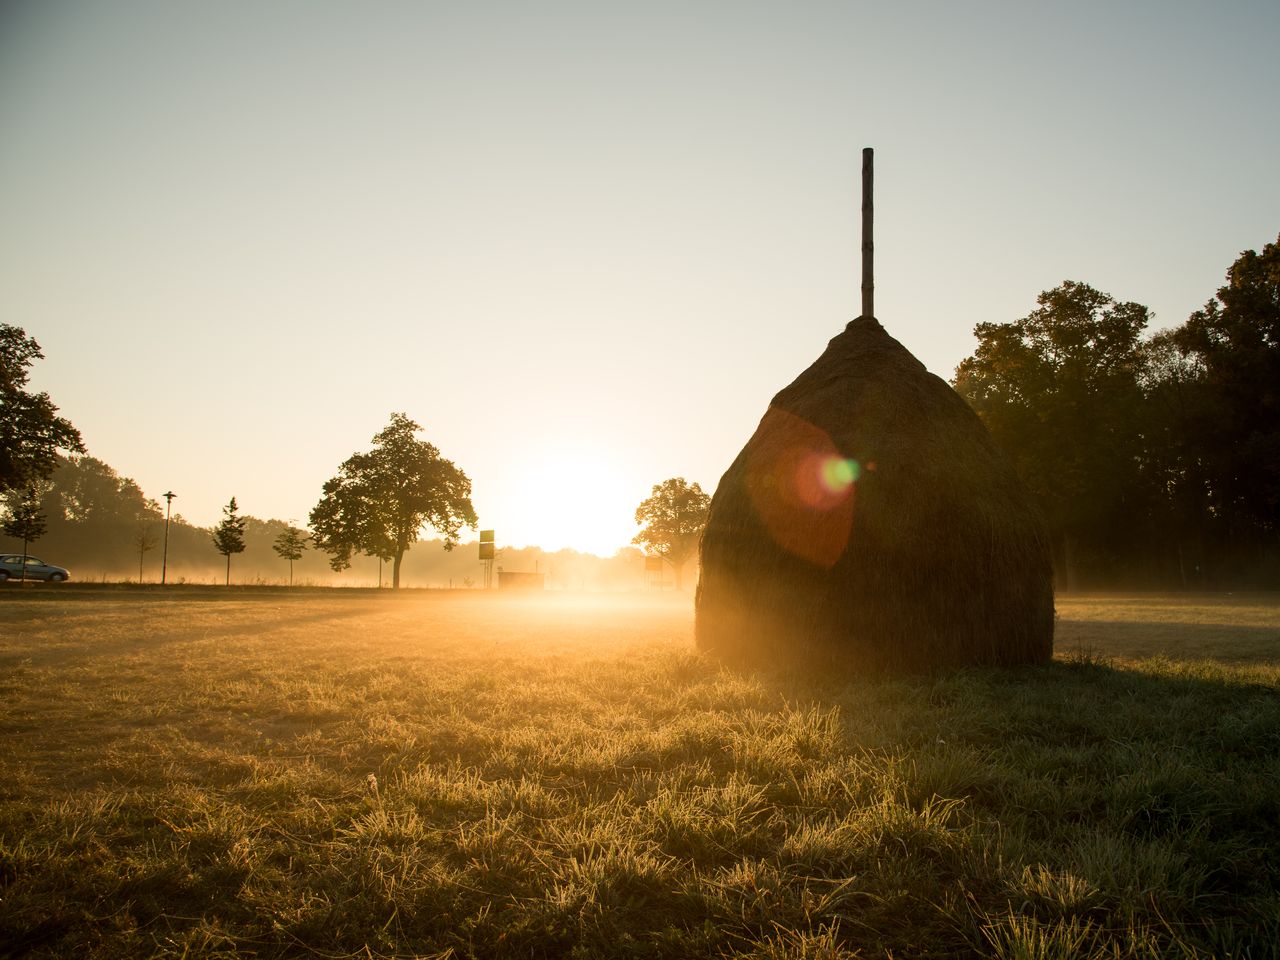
228,535
144,539
871,523
31,432
381,500
671,521
289,546
24,520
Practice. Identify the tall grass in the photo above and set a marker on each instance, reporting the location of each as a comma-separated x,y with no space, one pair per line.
374,776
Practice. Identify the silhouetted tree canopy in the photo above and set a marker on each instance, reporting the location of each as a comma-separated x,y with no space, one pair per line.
86,490
671,521
31,432
228,535
1156,457
380,500
1233,344
1059,390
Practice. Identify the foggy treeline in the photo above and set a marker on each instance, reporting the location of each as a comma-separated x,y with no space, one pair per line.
98,521
1154,459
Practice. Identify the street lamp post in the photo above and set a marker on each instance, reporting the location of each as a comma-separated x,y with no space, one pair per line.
164,562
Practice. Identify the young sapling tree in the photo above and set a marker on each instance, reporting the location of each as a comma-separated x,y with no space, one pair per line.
289,546
24,520
144,539
228,535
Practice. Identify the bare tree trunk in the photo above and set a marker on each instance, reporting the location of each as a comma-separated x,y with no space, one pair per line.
228,583
395,570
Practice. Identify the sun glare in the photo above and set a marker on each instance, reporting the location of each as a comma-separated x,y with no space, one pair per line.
572,500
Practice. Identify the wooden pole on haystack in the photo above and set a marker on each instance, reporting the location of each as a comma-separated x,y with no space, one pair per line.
868,248
871,523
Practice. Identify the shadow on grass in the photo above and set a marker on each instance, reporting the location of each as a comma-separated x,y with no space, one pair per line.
1228,642
1112,807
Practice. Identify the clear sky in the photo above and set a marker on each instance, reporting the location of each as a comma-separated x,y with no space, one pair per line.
583,243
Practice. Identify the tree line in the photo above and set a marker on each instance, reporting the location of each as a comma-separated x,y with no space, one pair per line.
101,524
1154,459
84,512
377,505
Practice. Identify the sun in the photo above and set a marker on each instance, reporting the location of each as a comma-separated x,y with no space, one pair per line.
568,498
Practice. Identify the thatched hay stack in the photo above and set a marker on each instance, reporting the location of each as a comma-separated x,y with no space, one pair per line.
871,523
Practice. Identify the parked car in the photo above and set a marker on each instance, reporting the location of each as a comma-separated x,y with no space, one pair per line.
11,566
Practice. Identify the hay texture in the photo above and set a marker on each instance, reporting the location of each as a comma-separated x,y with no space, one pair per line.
871,524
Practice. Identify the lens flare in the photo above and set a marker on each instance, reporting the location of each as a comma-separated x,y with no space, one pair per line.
802,487
838,474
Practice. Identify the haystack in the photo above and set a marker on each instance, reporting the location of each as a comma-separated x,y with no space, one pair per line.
872,524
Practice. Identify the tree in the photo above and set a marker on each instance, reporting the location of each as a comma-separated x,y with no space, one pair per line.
289,546
88,490
1172,455
144,539
1059,390
672,519
31,432
380,500
24,520
228,535
1235,340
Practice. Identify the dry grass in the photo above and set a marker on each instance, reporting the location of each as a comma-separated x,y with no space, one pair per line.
264,773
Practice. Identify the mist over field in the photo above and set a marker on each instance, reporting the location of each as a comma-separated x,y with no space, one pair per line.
193,559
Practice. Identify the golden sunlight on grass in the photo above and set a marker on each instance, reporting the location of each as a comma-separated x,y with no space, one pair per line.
272,773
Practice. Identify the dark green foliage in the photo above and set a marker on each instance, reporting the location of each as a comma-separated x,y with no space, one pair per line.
871,523
380,501
672,518
31,432
228,535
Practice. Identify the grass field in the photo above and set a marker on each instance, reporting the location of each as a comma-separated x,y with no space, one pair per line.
356,774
